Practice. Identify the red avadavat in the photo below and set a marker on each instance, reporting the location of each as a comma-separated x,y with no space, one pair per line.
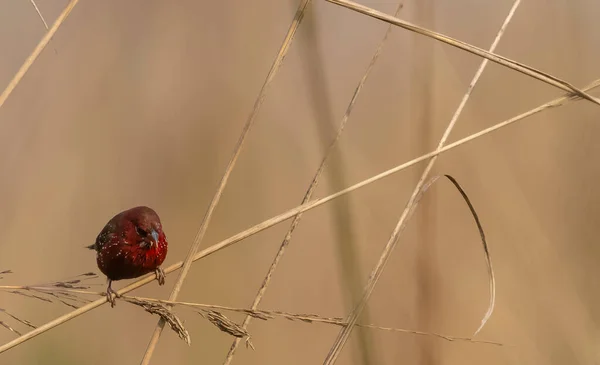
130,245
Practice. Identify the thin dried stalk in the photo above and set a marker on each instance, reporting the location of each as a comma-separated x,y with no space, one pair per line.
54,297
71,283
43,289
39,13
304,318
52,294
391,244
486,251
342,219
31,296
488,260
292,212
36,52
501,60
21,320
491,276
62,291
10,328
310,191
261,96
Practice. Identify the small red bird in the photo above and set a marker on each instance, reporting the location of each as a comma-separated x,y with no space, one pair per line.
130,245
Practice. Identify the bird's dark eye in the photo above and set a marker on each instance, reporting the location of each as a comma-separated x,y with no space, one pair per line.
141,232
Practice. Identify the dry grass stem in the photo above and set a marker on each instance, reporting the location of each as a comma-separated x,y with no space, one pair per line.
29,295
488,259
492,279
10,328
247,126
39,14
10,288
310,191
36,52
20,320
166,315
304,318
391,244
292,212
58,291
501,60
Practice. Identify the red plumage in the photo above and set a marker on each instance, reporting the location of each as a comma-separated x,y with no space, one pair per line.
130,245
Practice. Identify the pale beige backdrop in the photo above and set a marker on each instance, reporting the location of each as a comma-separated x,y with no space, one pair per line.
141,102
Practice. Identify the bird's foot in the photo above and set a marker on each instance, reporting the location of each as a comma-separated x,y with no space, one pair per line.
160,276
111,295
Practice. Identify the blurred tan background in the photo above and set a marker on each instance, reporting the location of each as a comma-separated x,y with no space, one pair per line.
141,102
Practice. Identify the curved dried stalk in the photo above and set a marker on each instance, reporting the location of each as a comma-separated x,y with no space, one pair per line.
491,276
488,260
292,212
393,240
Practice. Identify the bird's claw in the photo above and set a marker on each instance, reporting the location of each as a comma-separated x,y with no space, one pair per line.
111,295
160,276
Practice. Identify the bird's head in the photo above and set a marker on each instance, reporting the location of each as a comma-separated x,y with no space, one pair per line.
147,229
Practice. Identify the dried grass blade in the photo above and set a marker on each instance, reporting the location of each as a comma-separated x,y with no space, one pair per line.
237,150
501,60
21,320
39,13
344,334
10,328
29,295
36,52
310,191
488,259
